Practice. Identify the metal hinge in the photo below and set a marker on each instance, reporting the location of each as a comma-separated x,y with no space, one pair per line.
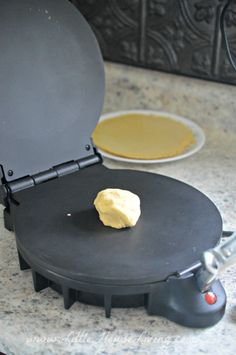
53,173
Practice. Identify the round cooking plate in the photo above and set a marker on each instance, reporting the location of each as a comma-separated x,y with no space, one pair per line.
58,228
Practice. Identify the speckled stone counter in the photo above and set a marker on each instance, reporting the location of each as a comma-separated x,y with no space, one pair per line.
36,323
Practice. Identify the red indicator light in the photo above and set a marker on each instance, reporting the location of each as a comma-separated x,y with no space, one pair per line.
210,298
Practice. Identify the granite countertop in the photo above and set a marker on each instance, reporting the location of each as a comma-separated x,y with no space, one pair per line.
36,323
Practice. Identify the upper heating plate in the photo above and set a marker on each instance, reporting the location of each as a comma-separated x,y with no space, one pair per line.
51,85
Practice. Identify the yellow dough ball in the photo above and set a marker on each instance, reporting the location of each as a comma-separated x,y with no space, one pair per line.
118,208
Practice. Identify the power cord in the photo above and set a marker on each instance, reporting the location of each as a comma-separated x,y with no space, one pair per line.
224,33
226,234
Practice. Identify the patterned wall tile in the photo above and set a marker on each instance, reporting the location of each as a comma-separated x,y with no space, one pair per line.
116,25
225,70
179,31
177,36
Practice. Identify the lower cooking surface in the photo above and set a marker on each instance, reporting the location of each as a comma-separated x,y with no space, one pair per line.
58,227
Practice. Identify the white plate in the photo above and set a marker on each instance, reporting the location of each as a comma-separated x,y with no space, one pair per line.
194,148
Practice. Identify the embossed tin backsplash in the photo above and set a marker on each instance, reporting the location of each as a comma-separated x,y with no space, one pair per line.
177,36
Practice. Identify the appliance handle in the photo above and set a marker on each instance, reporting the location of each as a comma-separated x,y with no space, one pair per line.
214,261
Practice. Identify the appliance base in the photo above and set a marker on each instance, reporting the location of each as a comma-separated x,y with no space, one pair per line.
8,223
176,298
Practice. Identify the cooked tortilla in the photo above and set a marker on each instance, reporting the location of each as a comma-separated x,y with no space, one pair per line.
146,137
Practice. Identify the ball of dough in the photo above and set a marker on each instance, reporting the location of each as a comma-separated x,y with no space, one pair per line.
118,208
